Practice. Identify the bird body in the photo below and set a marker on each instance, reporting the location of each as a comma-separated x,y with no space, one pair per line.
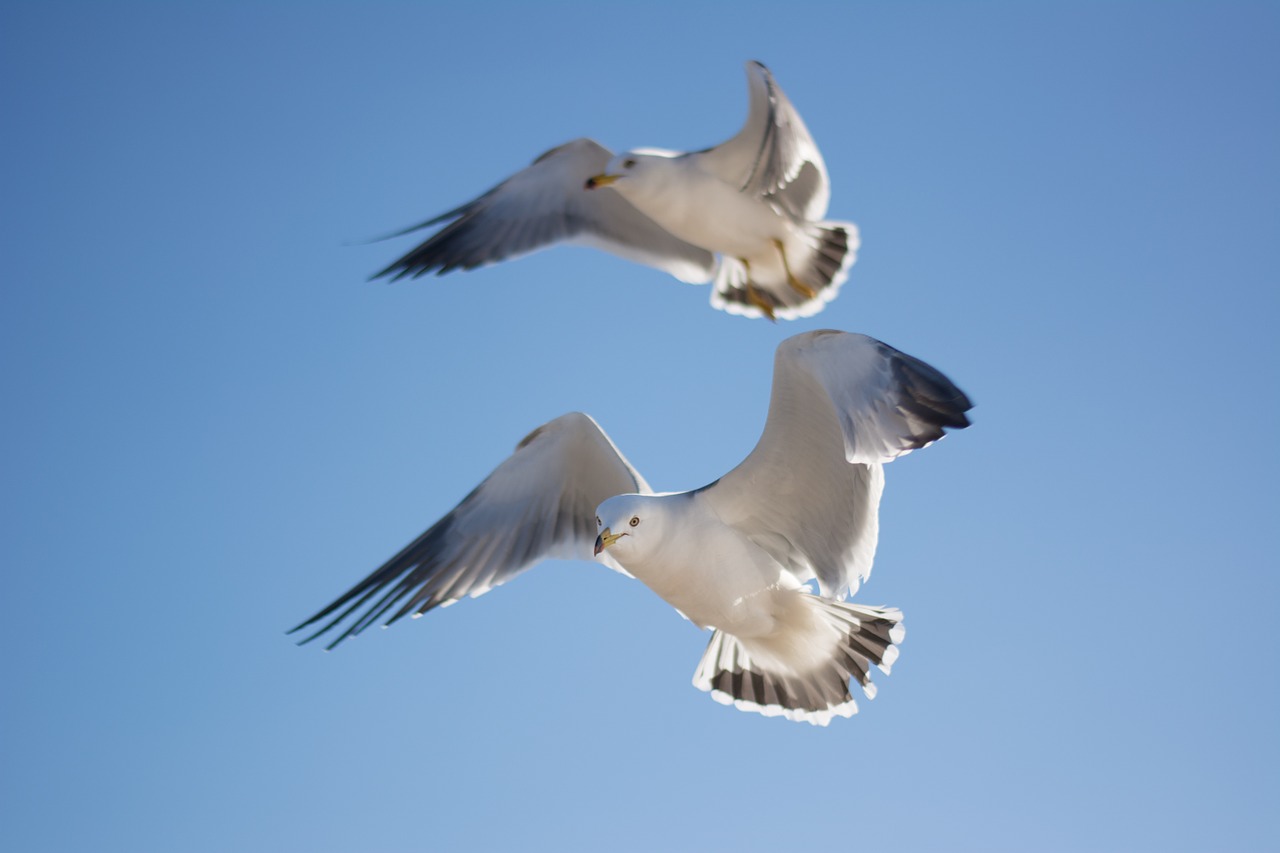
777,648
737,555
724,584
675,191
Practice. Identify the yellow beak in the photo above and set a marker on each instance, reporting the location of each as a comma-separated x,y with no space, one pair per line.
605,539
600,181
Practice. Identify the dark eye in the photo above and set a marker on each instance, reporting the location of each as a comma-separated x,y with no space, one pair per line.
597,521
635,519
627,164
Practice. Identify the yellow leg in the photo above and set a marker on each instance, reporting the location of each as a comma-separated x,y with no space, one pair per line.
796,284
753,295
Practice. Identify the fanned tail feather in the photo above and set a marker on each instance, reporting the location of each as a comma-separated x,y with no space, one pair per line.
819,257
806,675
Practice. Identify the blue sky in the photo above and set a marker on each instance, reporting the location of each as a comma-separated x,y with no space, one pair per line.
214,425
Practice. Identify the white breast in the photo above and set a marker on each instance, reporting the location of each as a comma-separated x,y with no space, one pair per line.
701,209
710,572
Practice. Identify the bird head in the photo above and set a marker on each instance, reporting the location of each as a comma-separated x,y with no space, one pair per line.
627,526
629,166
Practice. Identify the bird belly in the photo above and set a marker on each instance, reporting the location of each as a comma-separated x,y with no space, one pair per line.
729,587
703,210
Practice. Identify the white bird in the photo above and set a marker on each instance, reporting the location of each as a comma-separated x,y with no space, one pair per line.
746,214
734,556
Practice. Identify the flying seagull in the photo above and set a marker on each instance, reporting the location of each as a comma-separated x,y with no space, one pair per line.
746,214
735,556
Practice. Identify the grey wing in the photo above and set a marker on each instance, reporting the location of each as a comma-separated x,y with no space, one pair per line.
540,503
842,405
547,203
773,155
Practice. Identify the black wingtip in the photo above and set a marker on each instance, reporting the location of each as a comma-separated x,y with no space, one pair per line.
427,223
396,272
931,396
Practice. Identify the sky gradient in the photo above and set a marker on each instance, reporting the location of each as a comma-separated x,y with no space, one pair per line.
214,425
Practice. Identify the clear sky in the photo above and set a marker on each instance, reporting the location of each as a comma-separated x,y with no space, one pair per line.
213,425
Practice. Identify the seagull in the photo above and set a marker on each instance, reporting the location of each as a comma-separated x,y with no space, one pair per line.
746,214
739,556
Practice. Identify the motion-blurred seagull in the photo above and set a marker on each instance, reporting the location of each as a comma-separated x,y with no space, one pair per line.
746,213
733,556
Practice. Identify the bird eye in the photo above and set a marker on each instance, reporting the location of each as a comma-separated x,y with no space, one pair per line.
597,521
627,164
635,519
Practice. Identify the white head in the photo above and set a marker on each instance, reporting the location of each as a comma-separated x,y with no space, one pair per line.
630,526
632,167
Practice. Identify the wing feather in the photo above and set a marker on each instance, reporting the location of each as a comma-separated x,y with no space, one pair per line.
842,405
538,504
773,155
546,204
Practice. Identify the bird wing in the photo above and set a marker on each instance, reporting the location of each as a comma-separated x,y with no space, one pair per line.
809,492
773,156
540,503
544,204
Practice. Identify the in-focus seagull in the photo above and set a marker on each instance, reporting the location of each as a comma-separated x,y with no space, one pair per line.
746,214
735,556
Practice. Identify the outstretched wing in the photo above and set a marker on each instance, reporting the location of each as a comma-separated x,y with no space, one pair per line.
809,492
540,503
545,204
773,155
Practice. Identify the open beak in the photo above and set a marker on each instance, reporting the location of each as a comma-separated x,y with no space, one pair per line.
605,539
600,181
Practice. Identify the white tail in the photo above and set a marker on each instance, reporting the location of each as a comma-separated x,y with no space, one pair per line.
819,257
803,672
